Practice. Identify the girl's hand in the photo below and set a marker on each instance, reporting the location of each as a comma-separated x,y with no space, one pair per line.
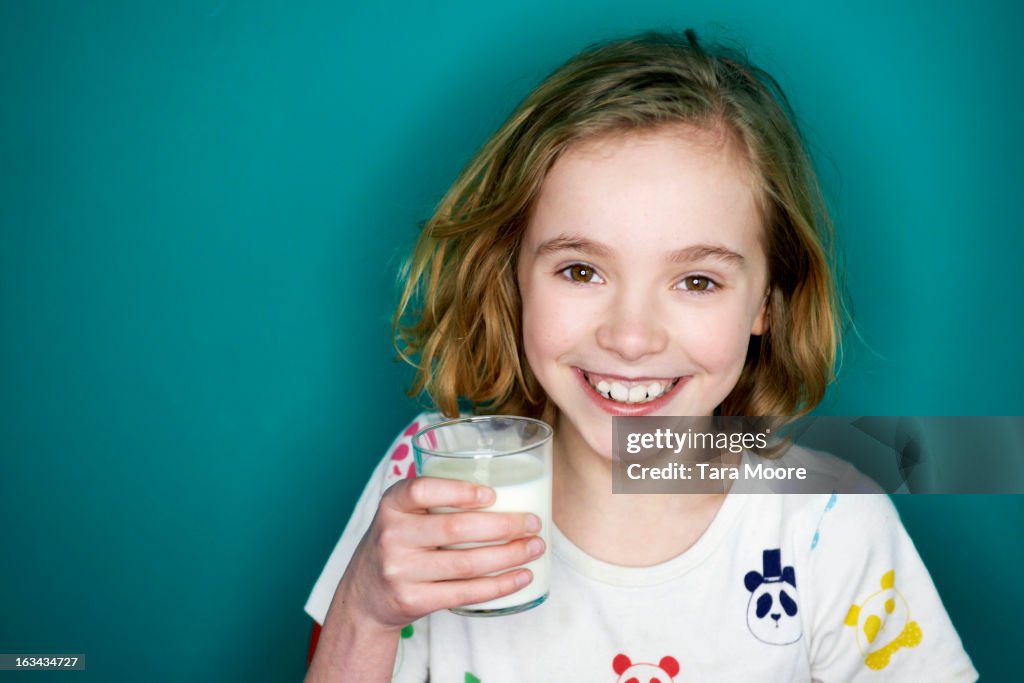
398,573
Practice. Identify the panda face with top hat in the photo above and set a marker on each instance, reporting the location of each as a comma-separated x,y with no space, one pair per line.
772,609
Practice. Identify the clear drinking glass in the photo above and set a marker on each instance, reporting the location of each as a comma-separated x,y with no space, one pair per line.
512,455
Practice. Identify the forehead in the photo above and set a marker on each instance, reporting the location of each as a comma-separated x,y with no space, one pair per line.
677,183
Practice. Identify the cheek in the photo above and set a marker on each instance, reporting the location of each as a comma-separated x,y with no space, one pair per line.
717,340
552,326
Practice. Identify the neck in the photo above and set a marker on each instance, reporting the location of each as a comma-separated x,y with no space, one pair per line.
625,529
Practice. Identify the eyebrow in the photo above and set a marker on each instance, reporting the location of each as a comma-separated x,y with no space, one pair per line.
696,252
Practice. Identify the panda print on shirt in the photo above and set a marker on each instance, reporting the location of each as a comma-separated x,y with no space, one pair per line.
773,604
883,624
643,672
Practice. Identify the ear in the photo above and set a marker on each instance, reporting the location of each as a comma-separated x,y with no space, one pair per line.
789,576
752,580
669,665
760,325
621,663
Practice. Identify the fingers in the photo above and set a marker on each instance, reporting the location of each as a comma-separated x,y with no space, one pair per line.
472,591
448,594
448,565
420,493
431,531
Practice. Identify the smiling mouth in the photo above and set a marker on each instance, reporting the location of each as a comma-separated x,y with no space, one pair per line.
629,391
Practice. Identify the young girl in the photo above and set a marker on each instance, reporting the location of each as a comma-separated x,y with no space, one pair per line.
644,236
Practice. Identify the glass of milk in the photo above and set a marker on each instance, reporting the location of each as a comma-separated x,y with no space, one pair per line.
512,455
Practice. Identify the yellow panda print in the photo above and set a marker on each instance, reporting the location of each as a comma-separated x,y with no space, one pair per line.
883,625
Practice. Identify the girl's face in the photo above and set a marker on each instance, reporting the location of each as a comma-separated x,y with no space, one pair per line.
642,277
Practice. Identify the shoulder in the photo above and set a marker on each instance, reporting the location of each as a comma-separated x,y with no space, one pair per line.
868,595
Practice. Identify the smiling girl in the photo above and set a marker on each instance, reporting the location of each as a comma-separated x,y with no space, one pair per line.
643,236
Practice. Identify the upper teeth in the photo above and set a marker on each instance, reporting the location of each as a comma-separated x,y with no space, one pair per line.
630,392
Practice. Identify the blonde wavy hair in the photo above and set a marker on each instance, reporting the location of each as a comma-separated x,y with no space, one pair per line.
460,295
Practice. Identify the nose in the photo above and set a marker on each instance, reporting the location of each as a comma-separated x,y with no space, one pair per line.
632,327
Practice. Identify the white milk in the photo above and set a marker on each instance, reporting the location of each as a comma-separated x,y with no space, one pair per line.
521,483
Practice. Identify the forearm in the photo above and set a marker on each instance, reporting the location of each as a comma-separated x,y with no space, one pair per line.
352,649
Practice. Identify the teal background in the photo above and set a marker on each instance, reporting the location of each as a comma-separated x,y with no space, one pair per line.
203,207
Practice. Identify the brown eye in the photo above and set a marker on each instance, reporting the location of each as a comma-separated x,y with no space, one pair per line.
697,283
581,273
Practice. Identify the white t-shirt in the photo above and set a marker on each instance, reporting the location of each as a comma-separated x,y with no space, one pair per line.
780,587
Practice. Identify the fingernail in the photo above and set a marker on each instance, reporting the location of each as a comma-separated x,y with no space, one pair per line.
484,494
532,523
522,578
534,546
